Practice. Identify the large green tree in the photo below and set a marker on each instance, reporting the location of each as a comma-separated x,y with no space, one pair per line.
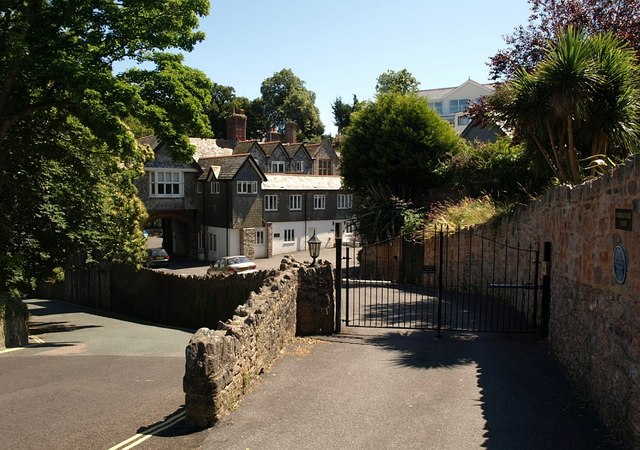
526,45
400,82
67,154
399,142
285,98
581,102
342,112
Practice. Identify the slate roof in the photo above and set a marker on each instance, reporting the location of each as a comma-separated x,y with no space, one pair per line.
226,167
245,147
286,182
313,149
269,147
292,149
206,148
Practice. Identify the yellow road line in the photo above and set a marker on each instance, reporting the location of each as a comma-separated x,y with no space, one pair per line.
141,437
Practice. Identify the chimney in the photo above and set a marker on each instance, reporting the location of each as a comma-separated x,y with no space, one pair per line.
290,131
237,126
272,136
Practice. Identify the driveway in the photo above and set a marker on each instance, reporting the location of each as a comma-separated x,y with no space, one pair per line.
379,389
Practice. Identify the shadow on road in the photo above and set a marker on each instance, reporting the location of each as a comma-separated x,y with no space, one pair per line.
527,402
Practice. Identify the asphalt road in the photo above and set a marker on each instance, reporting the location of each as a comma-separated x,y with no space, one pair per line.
92,382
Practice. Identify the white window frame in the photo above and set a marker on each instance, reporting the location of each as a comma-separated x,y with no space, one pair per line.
459,105
200,241
260,237
213,242
290,235
325,167
299,166
277,166
319,201
345,201
215,187
295,202
198,187
271,202
156,185
247,187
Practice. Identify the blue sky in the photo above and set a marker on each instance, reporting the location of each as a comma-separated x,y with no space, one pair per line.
340,47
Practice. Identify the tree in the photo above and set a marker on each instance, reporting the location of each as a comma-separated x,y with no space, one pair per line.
548,17
401,82
223,103
582,102
399,142
285,98
342,112
67,154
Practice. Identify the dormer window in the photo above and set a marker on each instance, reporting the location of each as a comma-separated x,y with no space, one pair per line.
277,166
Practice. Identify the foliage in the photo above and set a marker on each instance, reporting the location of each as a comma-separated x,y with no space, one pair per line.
548,17
65,193
342,112
285,98
381,215
500,169
399,142
223,103
583,99
67,153
401,82
465,213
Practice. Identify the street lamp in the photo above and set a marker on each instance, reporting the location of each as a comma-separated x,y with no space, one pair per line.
314,247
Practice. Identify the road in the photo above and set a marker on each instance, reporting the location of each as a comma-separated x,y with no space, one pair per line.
92,382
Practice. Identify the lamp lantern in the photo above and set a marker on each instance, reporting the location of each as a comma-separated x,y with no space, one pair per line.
314,247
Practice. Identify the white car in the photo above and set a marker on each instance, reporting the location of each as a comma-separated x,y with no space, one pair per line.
232,265
350,239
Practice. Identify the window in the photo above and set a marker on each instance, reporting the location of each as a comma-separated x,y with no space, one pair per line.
324,167
247,187
456,106
198,187
200,243
215,187
319,201
259,237
345,201
299,166
289,235
437,106
166,184
213,242
295,202
270,202
277,166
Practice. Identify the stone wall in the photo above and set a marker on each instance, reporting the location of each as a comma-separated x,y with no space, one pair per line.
594,327
222,364
13,322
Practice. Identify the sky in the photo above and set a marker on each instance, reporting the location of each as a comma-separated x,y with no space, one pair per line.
340,47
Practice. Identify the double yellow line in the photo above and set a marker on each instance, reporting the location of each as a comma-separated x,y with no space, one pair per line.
141,437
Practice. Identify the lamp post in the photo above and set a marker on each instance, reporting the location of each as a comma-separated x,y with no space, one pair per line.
314,247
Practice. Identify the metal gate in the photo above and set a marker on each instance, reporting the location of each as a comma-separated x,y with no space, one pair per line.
446,281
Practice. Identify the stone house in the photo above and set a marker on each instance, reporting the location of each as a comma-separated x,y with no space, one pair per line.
245,197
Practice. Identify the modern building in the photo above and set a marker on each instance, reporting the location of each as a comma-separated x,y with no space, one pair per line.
451,103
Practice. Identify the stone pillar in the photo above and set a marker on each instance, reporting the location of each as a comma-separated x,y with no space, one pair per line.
315,301
248,242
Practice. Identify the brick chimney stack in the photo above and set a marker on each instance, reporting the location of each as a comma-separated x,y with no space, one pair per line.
237,127
290,131
272,136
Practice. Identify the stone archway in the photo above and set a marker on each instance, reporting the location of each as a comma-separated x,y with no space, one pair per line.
179,235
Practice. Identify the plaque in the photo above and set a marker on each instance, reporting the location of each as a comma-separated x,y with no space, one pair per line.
619,264
624,219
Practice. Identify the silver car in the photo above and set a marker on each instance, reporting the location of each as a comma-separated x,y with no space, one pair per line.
231,265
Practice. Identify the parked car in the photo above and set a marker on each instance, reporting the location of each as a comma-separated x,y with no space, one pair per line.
232,265
157,257
350,239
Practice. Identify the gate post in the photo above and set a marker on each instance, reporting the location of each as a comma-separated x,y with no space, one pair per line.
546,289
440,268
338,277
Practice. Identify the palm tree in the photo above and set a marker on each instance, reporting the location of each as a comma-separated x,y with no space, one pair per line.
582,100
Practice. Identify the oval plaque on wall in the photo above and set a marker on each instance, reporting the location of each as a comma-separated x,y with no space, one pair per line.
620,264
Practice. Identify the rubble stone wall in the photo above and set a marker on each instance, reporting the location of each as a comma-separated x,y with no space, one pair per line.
222,364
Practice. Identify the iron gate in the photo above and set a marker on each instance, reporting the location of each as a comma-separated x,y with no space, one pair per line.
446,281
